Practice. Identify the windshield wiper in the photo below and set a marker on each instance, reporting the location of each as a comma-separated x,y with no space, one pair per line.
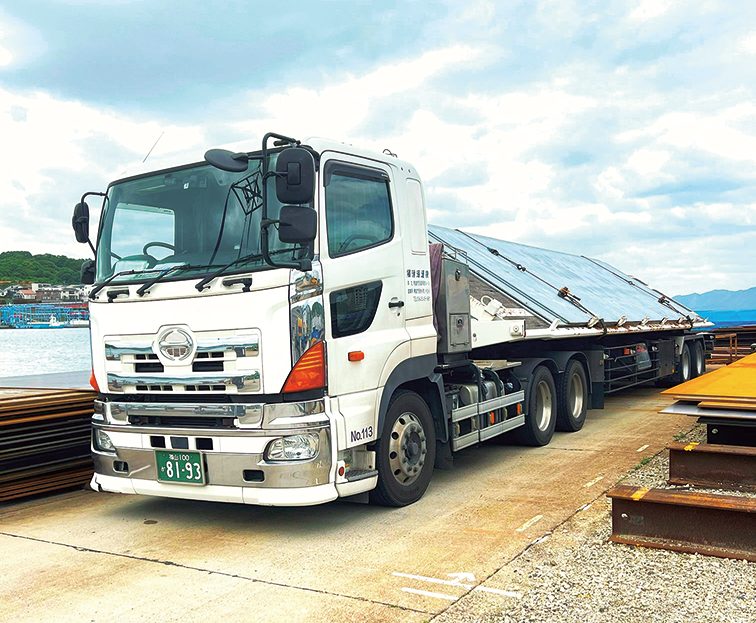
93,292
144,288
201,285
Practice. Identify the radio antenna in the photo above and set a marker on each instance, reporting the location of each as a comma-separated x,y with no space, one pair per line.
153,146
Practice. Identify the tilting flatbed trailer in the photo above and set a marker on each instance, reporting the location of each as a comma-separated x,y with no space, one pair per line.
273,327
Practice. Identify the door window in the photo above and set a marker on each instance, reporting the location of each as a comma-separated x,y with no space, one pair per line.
358,209
353,309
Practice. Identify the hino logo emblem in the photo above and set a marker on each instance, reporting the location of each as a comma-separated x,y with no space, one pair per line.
176,344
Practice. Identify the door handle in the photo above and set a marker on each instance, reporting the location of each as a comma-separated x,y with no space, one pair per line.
395,302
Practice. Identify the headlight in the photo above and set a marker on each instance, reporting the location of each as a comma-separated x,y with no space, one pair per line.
102,441
293,448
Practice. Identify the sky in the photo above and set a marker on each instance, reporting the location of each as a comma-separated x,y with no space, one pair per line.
620,130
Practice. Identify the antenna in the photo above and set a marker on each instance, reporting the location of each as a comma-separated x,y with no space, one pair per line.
153,146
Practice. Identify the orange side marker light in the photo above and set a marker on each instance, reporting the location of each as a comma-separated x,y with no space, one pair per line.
356,355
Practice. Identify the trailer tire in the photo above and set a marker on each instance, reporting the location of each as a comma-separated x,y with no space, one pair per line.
405,451
572,398
541,415
684,370
699,359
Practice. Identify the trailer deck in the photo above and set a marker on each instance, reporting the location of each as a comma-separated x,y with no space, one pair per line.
564,295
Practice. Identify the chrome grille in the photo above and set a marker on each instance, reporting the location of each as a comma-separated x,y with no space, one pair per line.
221,364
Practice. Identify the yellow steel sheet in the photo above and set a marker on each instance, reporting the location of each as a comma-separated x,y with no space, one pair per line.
736,381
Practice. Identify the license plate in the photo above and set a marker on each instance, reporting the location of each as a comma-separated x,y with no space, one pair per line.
180,466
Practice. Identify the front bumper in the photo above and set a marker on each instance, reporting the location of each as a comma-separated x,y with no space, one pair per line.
234,461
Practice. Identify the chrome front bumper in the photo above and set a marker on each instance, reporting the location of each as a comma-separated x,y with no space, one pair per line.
234,458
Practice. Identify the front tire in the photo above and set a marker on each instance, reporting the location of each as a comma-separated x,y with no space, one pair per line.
540,419
405,451
572,403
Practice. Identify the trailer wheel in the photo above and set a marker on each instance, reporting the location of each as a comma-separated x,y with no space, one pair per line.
540,418
684,368
405,451
699,359
572,398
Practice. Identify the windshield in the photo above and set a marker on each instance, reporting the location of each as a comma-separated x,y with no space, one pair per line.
198,216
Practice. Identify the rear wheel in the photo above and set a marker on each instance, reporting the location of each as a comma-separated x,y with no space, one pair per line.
572,394
405,451
540,418
699,359
684,367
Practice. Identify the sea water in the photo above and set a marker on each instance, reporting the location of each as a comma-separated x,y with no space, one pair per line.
44,351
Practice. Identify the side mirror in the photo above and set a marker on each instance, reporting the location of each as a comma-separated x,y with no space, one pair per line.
295,176
87,274
80,222
297,224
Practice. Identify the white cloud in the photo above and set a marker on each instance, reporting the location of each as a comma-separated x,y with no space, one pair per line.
56,150
603,150
748,43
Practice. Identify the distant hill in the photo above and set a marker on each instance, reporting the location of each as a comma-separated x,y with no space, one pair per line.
720,300
17,266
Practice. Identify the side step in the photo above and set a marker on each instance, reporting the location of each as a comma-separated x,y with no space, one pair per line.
712,465
353,475
685,521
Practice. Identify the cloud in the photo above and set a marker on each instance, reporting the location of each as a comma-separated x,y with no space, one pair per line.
622,131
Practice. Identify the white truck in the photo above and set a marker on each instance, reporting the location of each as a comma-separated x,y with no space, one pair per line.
281,327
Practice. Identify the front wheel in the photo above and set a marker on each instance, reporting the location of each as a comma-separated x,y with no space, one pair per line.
540,418
405,451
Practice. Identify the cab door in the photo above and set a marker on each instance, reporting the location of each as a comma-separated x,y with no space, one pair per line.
363,278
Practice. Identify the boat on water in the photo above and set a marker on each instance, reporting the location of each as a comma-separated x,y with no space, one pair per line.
51,323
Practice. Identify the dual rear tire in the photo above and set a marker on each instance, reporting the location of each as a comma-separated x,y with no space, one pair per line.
554,406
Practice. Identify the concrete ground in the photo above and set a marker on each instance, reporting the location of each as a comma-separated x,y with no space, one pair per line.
99,556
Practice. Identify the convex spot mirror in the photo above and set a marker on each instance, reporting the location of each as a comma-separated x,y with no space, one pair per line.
227,160
80,222
87,272
295,176
297,224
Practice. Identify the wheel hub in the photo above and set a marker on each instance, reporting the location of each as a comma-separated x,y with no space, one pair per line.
407,448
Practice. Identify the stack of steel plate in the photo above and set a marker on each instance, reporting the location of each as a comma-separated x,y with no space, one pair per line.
44,441
724,400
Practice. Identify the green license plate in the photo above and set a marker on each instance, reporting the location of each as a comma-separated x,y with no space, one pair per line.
180,466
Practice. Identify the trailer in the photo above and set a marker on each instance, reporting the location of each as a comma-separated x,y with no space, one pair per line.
282,327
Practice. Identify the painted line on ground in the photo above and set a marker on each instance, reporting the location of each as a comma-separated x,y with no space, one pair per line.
453,583
425,578
417,591
590,483
642,448
530,522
